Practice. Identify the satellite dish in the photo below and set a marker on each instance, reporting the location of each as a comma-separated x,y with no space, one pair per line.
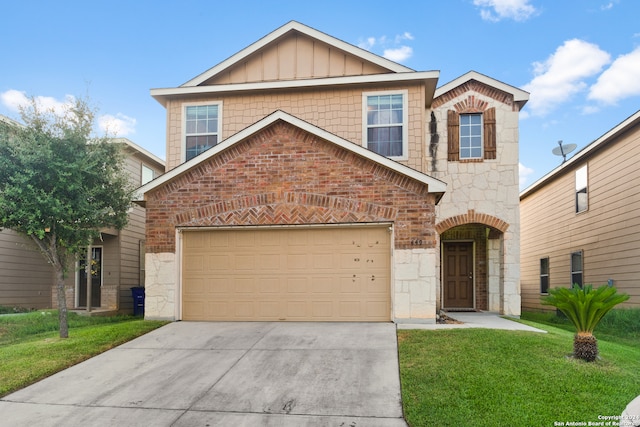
563,150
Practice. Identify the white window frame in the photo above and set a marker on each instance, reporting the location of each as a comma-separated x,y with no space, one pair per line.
405,120
460,127
582,188
575,272
183,145
544,275
144,167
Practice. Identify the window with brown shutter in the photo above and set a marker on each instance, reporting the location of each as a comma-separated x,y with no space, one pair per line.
489,117
453,136
488,135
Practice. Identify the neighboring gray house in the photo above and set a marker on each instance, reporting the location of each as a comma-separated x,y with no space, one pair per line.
26,279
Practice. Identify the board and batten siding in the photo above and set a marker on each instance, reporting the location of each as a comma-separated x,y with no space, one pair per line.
25,277
608,233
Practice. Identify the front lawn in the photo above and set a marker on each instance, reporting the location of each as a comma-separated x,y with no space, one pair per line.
484,377
30,348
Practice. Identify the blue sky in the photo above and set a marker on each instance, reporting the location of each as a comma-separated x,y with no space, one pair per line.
579,59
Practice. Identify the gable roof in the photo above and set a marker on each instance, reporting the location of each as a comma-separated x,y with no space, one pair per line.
628,123
396,72
136,148
519,96
434,185
301,28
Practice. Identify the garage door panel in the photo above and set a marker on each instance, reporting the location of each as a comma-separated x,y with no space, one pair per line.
217,262
323,261
268,261
350,285
297,285
323,285
244,285
244,240
295,274
269,285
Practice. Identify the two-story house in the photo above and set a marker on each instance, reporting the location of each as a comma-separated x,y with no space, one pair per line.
580,222
311,180
27,280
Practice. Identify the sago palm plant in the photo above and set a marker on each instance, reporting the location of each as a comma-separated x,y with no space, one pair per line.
584,307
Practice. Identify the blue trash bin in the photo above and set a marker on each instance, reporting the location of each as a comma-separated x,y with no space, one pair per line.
137,292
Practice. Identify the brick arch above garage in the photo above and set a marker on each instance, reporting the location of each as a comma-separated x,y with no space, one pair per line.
284,175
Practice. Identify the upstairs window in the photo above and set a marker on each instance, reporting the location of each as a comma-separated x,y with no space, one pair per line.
147,175
544,275
202,128
582,199
470,136
385,128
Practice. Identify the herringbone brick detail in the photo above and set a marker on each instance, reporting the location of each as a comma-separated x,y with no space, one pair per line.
286,176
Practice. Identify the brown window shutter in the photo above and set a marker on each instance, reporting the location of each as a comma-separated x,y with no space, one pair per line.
490,133
453,136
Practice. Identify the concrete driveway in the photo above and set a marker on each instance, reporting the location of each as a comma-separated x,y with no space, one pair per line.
226,374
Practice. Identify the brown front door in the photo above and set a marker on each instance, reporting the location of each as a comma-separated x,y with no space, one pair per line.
458,275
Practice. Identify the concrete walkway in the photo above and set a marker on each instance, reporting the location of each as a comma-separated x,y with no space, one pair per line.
480,319
226,374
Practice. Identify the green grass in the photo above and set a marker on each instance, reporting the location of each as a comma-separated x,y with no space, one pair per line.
486,377
30,348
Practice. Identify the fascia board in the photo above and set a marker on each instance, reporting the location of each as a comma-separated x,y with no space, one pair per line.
160,93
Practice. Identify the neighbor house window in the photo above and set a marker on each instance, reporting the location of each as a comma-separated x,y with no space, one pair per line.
544,275
471,135
385,124
582,197
202,128
147,174
576,268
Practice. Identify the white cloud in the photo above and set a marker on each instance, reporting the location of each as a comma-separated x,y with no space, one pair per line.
562,75
15,100
398,55
367,44
523,173
619,81
393,49
497,10
607,6
118,125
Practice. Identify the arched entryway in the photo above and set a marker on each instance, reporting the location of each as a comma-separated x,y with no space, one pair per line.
472,264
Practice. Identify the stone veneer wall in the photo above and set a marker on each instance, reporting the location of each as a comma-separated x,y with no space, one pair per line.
487,190
415,285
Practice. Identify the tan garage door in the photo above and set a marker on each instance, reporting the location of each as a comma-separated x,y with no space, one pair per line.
295,274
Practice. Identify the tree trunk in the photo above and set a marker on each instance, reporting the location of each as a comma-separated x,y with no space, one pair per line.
585,347
62,303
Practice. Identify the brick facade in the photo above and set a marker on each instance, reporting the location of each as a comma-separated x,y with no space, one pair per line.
285,176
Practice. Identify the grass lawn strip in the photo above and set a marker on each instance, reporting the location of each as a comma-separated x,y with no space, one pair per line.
32,358
484,377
